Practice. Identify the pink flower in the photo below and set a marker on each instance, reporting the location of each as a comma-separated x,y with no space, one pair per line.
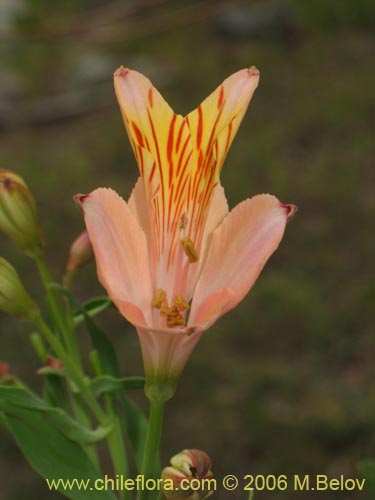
173,258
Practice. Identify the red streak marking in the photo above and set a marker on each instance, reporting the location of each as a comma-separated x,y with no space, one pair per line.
197,177
153,168
186,163
179,136
182,154
170,205
170,147
209,144
138,134
150,97
200,127
221,97
140,160
179,192
209,162
228,138
161,173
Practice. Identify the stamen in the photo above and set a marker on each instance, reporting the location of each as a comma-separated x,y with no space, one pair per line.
180,303
169,311
173,315
178,321
189,249
159,297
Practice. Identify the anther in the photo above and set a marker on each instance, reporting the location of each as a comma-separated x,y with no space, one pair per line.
189,249
180,303
159,297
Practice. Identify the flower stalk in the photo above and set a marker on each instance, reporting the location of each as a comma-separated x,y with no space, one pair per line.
151,452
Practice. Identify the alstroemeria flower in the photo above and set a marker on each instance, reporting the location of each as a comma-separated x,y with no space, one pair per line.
173,258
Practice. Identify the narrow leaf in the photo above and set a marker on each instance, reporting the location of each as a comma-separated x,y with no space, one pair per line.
106,383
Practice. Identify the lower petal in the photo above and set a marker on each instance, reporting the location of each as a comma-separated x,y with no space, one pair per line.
120,249
240,247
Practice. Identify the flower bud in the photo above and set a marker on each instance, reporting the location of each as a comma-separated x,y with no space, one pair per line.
81,253
52,365
192,467
13,296
4,371
18,215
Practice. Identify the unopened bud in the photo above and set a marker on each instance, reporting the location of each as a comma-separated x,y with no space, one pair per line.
18,215
192,467
13,296
51,366
80,254
4,371
54,363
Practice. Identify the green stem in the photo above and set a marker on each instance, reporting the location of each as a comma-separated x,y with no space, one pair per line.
151,452
115,440
57,312
71,369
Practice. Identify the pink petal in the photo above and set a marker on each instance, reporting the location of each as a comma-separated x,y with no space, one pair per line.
120,250
138,205
239,249
217,210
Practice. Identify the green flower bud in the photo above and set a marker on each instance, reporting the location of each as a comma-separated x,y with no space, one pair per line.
13,296
18,214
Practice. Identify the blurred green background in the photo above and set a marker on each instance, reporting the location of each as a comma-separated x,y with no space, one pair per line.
285,382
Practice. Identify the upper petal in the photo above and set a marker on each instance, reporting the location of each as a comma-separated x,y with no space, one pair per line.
162,145
120,250
239,249
213,126
217,210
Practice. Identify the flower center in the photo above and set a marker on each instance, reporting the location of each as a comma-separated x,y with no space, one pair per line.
174,314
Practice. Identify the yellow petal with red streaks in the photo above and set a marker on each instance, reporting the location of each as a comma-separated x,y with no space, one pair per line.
161,143
213,126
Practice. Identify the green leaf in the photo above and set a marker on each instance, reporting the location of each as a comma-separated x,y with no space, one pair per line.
53,455
99,338
135,422
92,308
48,370
106,383
136,425
367,470
15,400
54,391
